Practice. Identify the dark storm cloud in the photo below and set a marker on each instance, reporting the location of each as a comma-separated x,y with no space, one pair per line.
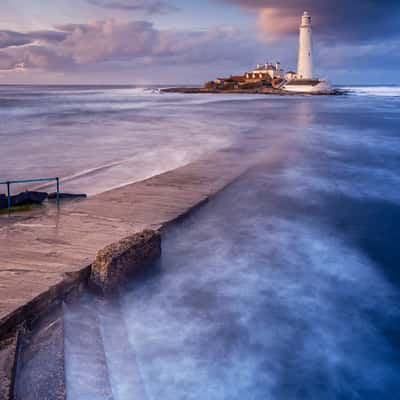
12,38
48,36
149,6
355,20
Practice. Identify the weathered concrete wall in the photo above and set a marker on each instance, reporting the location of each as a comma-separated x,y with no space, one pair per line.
40,362
34,365
116,262
8,353
70,287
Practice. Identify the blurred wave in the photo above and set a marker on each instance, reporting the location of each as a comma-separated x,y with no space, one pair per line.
97,138
386,91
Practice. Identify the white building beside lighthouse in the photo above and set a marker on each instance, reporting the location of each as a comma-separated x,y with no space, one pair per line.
305,81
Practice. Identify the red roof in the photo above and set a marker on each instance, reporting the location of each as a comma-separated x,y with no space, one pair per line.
237,78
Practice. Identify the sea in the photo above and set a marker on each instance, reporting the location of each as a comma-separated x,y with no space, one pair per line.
286,285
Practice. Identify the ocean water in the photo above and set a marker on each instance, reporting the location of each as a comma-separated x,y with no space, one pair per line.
98,138
286,285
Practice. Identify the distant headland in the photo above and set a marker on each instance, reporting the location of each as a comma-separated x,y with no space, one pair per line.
271,78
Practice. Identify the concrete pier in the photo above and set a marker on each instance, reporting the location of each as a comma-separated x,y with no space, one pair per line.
46,256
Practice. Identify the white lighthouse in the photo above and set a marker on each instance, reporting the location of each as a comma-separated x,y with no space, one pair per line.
305,61
304,81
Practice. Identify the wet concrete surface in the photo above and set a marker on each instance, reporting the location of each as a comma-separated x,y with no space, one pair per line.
51,247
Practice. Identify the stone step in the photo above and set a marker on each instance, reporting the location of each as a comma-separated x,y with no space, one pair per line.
40,370
124,368
86,369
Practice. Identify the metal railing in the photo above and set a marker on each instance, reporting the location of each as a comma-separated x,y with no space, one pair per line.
9,183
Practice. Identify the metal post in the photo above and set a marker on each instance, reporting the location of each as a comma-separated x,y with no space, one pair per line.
8,195
58,189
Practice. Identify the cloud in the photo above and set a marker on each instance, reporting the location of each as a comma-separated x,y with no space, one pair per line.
149,6
11,38
107,40
7,62
139,50
71,46
335,20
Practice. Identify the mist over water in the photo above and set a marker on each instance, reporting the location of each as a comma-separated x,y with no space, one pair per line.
98,138
284,286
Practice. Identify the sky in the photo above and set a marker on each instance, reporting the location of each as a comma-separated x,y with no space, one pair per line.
192,41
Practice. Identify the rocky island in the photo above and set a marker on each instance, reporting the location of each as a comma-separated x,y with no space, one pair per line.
232,86
271,78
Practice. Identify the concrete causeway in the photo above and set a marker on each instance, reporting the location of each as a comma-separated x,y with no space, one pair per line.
48,252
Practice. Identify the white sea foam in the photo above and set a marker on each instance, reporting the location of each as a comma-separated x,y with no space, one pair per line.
386,91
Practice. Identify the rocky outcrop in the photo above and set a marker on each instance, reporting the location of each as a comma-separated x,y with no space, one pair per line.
29,198
22,199
244,89
115,263
66,196
3,201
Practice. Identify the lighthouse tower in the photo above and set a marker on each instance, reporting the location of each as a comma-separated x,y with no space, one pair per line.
305,82
305,63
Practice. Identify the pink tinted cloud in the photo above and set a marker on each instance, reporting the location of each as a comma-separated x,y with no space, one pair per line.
138,42
108,40
273,24
335,20
149,6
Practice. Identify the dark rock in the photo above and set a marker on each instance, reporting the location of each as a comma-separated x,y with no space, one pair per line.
115,263
67,196
23,199
3,201
26,198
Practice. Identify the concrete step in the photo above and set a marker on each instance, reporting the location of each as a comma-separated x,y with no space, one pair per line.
40,370
87,372
124,368
80,351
